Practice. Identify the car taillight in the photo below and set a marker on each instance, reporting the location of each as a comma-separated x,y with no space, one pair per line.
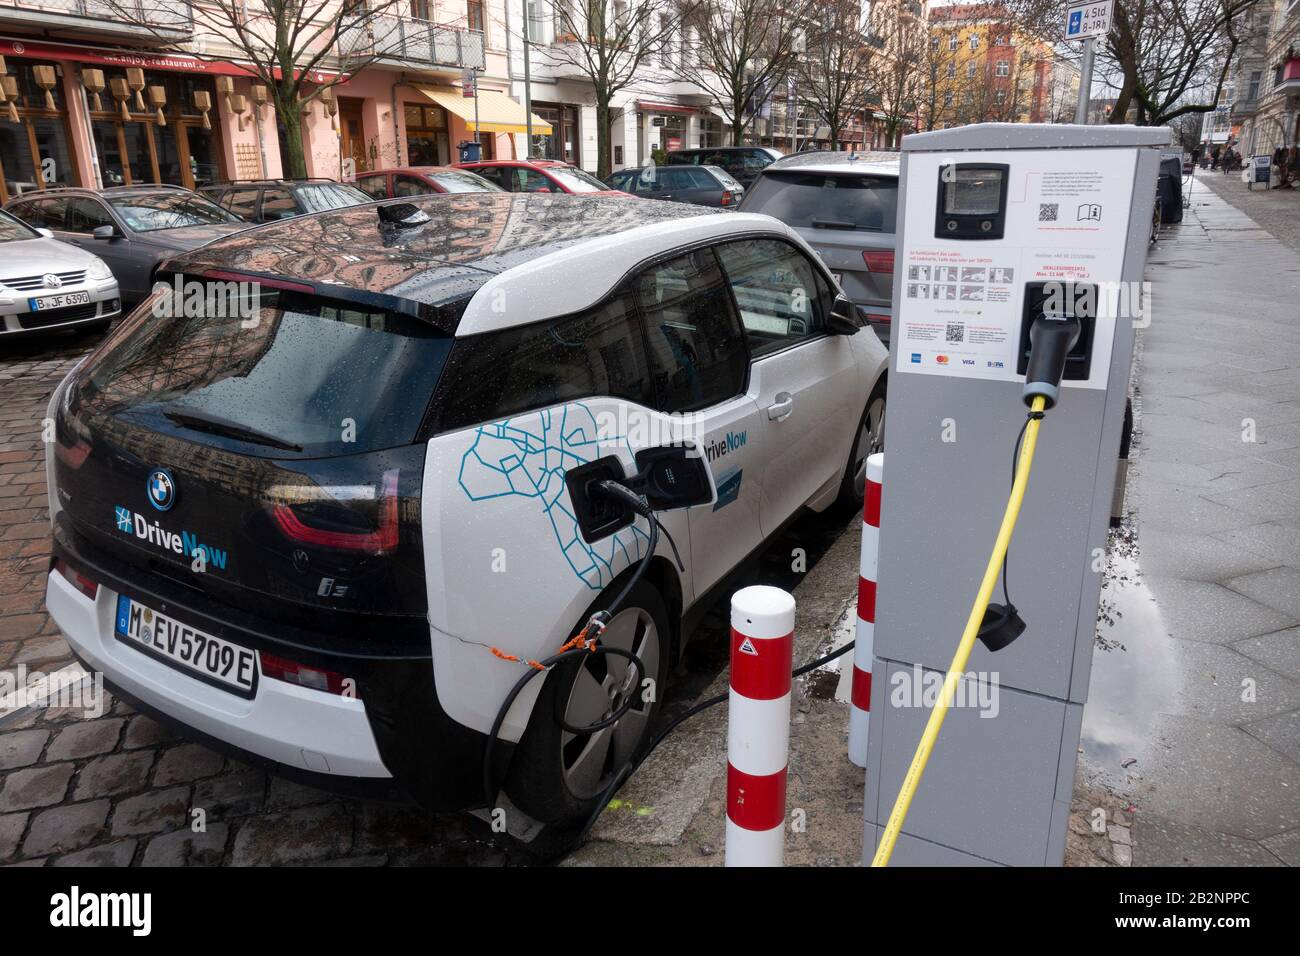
726,197
878,317
379,541
882,262
291,672
81,582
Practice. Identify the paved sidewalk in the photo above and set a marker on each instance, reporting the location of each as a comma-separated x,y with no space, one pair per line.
1196,714
1277,210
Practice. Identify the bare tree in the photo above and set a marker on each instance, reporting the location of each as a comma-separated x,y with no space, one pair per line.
612,43
742,49
835,73
899,72
1172,56
299,49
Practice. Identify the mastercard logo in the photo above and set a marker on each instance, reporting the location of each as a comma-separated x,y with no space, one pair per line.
941,359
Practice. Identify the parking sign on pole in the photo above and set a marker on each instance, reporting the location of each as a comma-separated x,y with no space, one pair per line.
1086,22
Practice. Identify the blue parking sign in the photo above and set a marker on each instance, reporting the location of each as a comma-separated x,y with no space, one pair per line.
1076,22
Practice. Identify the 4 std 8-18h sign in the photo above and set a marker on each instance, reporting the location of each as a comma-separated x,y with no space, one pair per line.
1083,20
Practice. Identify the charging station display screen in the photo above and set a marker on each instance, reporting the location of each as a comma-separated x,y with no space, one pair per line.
973,192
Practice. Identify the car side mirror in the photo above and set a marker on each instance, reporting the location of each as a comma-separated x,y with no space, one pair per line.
45,233
843,319
105,232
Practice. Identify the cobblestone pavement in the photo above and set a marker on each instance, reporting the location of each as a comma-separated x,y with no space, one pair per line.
1276,210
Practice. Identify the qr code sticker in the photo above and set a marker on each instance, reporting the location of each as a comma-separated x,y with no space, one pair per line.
1047,211
956,332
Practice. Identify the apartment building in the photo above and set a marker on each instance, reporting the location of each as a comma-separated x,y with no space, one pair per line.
991,71
108,92
1275,119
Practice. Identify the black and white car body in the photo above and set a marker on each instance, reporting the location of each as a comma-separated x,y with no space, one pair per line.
302,538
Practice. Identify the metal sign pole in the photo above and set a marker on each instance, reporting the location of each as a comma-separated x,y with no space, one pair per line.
1085,81
528,91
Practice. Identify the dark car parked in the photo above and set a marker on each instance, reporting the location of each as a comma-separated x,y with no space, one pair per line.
699,185
132,228
744,163
845,205
269,200
422,181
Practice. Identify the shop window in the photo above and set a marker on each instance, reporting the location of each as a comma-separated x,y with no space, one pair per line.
35,152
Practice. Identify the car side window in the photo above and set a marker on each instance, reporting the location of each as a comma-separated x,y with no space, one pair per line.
277,203
493,175
697,352
782,298
410,186
376,187
531,181
242,202
499,374
43,214
85,216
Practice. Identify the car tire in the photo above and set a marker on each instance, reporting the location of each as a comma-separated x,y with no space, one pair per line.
558,777
871,431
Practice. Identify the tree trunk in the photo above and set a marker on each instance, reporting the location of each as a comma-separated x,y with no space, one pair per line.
737,131
293,160
604,138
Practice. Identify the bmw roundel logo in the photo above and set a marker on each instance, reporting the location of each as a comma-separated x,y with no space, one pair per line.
161,489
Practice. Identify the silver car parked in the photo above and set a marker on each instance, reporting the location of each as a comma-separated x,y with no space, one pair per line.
133,228
845,205
46,284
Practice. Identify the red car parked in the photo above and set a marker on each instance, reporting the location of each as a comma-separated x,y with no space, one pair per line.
540,176
421,181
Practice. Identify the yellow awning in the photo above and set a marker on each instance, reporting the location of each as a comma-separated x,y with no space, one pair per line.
497,112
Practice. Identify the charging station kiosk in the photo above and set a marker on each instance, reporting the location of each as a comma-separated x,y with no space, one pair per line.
1000,224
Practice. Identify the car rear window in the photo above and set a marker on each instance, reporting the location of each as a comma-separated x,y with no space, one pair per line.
277,373
575,180
810,200
321,197
462,182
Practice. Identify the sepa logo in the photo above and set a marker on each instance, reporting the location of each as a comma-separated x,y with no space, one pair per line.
995,364
161,489
916,358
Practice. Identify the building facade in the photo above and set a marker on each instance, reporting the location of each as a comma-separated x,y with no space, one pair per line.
109,92
1274,78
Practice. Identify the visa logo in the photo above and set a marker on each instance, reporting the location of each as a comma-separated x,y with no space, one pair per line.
967,361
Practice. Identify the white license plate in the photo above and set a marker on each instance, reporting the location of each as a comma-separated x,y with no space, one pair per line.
211,659
839,277
61,301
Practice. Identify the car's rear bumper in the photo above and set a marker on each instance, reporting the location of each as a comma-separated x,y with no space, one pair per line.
295,726
391,740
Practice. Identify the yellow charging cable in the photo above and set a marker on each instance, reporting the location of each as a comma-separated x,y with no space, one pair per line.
959,659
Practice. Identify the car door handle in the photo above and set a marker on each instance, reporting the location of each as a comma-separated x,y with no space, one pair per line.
781,408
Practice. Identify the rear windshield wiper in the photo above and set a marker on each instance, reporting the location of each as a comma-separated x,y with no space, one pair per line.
833,224
216,425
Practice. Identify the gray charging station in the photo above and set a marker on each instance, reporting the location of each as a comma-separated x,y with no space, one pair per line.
989,216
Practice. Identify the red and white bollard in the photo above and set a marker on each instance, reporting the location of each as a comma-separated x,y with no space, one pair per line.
860,697
758,725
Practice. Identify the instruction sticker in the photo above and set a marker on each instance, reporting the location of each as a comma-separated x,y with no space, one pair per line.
962,301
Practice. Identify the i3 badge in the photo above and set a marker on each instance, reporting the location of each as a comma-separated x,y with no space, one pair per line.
161,489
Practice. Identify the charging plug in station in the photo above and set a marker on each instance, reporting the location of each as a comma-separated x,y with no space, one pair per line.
668,477
1069,300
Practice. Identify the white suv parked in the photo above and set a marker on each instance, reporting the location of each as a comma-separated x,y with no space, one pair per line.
319,539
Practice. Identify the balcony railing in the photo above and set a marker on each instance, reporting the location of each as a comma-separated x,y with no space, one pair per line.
154,16
419,41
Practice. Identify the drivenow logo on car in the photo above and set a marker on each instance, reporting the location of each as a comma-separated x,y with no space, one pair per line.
183,543
74,908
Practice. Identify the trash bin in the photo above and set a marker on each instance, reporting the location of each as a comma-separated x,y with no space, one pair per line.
470,152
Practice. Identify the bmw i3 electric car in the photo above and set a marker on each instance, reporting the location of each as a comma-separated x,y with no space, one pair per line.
327,534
